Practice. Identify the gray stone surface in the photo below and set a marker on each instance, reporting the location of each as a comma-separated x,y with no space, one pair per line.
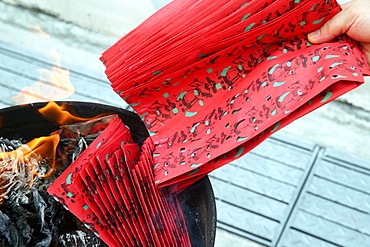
78,47
111,17
38,80
42,63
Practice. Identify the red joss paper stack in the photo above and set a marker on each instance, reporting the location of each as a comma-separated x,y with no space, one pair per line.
212,79
110,188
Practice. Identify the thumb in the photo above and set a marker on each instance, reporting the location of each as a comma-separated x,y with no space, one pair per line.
338,25
366,47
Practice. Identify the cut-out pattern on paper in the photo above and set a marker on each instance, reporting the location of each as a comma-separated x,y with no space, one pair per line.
211,80
110,188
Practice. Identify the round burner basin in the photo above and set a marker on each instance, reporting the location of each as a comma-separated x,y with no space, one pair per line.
197,202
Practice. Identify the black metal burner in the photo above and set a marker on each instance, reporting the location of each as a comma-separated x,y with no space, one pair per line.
198,202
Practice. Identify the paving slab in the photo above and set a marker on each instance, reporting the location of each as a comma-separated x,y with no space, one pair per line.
29,74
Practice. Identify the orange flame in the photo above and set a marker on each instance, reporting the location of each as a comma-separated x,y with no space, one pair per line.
18,168
41,32
60,114
45,147
54,84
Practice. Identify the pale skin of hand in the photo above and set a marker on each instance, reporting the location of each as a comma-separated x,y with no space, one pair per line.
354,20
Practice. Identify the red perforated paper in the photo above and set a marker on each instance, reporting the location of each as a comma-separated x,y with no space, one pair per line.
110,188
212,79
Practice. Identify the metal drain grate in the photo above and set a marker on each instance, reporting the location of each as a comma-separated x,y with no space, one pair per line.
288,193
334,206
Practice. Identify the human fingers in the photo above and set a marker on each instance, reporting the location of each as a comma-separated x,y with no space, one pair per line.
338,25
366,47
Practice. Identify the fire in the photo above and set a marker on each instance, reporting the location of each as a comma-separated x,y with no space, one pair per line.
37,159
54,84
41,32
45,147
60,114
18,168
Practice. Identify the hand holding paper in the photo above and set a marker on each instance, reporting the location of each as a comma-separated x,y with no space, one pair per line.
212,79
353,20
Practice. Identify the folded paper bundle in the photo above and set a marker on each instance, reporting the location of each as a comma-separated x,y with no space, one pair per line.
212,79
110,188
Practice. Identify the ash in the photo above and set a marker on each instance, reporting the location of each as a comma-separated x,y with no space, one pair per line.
31,217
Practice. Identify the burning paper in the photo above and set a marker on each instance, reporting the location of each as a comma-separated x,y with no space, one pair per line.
28,215
20,164
109,188
212,79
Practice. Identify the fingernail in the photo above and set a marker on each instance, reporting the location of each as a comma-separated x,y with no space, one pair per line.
314,35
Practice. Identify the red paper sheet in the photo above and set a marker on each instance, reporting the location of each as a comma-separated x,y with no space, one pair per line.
110,188
131,202
64,190
87,189
128,207
212,79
